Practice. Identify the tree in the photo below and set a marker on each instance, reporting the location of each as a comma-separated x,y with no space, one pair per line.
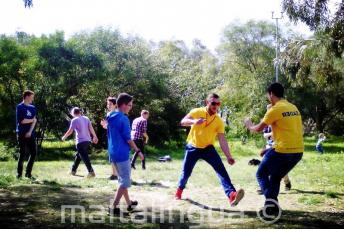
316,14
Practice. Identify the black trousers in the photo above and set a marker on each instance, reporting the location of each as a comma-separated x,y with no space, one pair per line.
140,144
83,149
26,145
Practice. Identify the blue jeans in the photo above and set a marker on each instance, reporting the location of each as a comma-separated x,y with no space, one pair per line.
319,148
209,154
272,169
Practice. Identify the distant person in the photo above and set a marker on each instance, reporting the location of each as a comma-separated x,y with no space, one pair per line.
139,136
318,146
84,129
119,143
206,124
25,129
111,107
285,120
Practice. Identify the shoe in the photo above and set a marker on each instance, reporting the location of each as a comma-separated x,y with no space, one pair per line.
235,197
113,177
73,173
19,176
114,211
91,175
178,194
133,166
287,186
259,192
134,203
269,213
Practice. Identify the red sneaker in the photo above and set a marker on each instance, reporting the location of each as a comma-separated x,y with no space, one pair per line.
178,195
235,197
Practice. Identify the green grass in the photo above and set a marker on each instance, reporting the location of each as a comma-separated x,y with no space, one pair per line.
316,199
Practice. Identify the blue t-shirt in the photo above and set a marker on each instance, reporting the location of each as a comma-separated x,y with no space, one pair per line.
118,131
24,112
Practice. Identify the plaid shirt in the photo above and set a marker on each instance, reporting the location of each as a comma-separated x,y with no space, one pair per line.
138,128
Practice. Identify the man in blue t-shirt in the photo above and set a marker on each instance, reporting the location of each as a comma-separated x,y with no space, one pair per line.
25,129
119,143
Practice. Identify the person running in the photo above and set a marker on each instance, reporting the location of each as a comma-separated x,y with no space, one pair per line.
285,120
205,125
111,107
25,129
84,129
139,136
119,143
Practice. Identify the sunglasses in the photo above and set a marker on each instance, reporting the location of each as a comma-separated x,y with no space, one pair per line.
215,103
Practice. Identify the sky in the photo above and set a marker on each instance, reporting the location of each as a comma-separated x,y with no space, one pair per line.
153,20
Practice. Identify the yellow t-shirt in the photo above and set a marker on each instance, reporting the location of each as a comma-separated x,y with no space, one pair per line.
203,135
287,132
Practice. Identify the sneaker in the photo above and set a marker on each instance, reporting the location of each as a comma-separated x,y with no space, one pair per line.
114,211
259,192
134,203
91,175
178,194
287,186
113,177
73,173
19,176
133,166
235,197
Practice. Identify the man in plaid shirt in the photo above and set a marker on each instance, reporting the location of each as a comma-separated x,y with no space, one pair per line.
139,135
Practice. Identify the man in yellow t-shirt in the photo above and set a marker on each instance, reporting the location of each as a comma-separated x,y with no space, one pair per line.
285,120
206,124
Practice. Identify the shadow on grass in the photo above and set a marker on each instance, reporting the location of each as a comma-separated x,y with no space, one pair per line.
289,219
150,184
40,206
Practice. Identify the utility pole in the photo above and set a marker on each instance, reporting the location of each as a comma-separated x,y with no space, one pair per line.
277,45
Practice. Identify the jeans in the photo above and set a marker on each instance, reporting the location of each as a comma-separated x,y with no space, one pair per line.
272,169
82,154
24,145
209,154
319,148
140,144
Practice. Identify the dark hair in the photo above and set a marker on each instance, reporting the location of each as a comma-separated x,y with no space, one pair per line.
75,111
27,93
123,98
212,95
111,100
277,89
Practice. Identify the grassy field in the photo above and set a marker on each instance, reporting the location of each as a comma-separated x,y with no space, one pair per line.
316,199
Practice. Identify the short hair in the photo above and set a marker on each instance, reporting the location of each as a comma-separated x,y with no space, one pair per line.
123,98
111,100
321,135
75,111
27,93
277,89
212,95
143,112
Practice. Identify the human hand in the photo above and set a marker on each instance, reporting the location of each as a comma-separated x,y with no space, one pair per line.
63,138
230,160
28,135
95,140
141,155
104,123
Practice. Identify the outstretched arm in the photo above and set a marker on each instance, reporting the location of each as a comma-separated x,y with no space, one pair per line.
254,128
189,121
